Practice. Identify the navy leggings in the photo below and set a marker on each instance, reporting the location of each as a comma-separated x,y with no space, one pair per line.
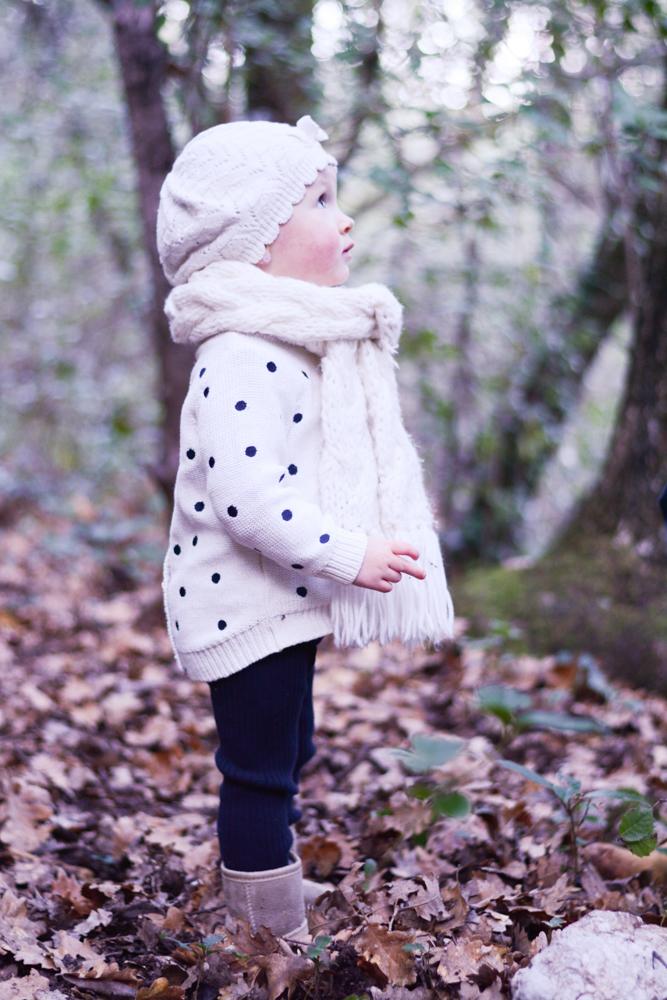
264,717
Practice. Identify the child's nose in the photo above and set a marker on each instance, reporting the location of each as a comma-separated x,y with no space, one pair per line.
347,223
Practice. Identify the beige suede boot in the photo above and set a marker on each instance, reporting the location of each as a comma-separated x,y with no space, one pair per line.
273,898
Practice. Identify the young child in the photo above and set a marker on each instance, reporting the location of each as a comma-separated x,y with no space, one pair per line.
299,506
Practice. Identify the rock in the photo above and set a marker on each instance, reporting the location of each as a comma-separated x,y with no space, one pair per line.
604,956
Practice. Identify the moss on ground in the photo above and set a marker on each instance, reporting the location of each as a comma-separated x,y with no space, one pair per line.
598,598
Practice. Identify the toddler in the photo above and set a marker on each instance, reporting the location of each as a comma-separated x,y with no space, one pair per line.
299,506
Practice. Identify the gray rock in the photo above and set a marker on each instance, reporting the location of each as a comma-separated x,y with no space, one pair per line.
604,956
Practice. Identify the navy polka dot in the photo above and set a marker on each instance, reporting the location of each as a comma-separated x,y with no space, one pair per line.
297,417
241,405
281,478
216,578
202,372
206,391
190,453
177,550
194,540
181,591
297,566
222,624
251,450
287,515
176,624
305,373
211,461
301,591
292,469
324,538
232,511
271,365
199,505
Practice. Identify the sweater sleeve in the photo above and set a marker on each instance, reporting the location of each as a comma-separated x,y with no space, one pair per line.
243,430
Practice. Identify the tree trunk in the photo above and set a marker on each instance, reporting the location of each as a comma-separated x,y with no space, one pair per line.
624,501
625,498
526,431
142,64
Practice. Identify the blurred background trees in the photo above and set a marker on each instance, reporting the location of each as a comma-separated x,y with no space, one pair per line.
505,164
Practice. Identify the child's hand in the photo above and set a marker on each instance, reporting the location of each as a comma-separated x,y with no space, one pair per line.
382,565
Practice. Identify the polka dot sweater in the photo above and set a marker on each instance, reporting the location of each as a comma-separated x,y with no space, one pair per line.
251,554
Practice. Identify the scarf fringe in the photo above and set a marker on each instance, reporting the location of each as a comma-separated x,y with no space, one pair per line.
414,612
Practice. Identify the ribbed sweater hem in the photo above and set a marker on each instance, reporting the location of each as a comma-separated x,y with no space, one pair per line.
268,636
347,556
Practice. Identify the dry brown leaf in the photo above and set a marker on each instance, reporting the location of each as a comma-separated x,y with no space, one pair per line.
66,773
18,934
173,920
204,855
32,987
457,907
552,898
420,894
483,889
112,989
614,862
235,991
69,889
462,959
97,918
26,812
320,855
68,951
284,972
385,949
160,989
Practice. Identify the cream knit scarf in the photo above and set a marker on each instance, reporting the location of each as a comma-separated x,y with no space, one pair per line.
370,475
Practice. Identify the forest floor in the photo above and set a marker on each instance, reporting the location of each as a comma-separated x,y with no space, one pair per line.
451,869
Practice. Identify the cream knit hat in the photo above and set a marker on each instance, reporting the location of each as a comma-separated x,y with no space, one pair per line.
230,190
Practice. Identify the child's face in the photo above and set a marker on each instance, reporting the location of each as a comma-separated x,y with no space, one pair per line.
312,244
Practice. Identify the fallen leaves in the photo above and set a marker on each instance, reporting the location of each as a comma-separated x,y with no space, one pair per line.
110,883
385,949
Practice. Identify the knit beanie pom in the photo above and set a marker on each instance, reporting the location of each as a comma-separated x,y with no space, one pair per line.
231,189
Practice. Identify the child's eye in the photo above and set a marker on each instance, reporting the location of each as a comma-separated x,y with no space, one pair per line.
319,200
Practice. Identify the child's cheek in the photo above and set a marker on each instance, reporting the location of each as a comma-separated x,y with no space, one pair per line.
322,254
323,248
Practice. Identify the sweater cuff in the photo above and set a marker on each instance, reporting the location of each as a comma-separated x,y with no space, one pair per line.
346,557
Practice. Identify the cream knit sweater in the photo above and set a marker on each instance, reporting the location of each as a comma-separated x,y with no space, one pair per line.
233,595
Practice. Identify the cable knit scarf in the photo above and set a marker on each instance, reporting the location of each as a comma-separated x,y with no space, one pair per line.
370,475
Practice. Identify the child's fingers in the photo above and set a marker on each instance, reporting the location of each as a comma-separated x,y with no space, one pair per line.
400,548
401,566
415,571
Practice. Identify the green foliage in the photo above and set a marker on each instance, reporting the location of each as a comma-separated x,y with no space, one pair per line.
451,804
637,830
370,870
513,709
636,827
428,752
318,946
414,947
